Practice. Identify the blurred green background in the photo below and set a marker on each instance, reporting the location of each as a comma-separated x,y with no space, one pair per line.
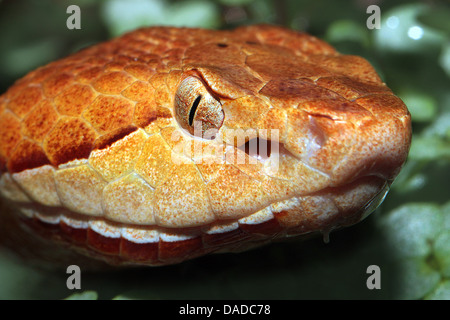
408,237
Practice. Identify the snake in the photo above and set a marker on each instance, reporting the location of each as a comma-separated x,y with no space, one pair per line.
170,143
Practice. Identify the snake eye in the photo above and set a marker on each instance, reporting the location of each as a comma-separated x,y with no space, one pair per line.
196,110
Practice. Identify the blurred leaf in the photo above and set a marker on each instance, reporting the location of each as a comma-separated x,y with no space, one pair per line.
193,14
86,295
436,18
421,105
138,294
20,59
441,126
446,213
410,228
15,279
441,292
416,279
429,148
444,59
419,235
261,11
412,183
442,252
402,32
126,15
235,2
347,30
122,16
122,297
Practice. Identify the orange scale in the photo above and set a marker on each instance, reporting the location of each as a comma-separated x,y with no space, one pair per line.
179,250
56,84
76,235
211,240
88,75
24,101
103,244
268,227
113,82
139,252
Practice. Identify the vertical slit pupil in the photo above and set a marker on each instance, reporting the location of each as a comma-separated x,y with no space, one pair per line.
194,109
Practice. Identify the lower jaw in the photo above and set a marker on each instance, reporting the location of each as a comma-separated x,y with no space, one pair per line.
122,244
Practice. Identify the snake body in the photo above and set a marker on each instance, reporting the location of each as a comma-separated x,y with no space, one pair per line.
139,150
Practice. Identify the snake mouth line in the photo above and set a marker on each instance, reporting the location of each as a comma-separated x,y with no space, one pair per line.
122,243
119,244
265,220
141,233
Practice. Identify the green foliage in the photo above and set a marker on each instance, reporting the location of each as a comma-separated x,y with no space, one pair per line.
86,295
419,237
403,32
122,16
408,236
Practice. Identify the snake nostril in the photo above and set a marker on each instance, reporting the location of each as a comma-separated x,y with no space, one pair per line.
257,148
262,149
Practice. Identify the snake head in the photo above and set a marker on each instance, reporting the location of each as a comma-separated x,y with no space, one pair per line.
312,134
169,143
